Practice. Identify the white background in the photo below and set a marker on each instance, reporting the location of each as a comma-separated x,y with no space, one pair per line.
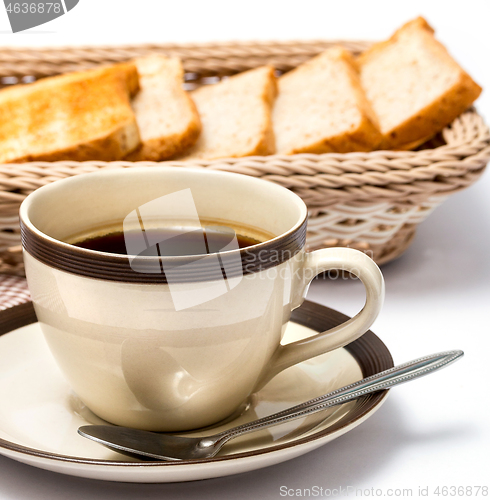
431,432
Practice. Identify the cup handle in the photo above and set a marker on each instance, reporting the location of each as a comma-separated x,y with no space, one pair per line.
345,259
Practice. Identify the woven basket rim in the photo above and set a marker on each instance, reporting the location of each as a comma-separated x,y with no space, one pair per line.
210,43
208,57
254,44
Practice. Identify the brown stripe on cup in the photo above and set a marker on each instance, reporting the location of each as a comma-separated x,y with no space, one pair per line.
154,269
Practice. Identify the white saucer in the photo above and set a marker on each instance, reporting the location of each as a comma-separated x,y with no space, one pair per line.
39,414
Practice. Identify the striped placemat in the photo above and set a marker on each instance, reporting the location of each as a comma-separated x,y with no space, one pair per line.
13,291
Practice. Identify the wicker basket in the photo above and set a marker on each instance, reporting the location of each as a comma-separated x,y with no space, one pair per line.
370,201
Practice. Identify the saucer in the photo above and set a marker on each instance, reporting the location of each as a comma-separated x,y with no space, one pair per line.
40,415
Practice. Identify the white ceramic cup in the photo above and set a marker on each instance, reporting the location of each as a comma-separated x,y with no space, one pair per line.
177,347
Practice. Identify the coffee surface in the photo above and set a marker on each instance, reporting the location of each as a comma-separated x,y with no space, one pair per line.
171,241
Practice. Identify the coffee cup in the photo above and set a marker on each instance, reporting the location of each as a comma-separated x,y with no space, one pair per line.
167,341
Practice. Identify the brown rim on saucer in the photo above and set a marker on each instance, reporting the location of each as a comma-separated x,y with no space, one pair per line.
369,351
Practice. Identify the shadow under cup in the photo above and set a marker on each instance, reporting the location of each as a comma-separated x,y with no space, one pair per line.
163,343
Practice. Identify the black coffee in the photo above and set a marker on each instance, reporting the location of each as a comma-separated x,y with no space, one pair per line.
168,241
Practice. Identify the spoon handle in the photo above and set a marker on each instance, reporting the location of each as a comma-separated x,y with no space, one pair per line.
383,380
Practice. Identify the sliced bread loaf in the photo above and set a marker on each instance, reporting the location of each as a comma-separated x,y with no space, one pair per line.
322,108
166,115
414,86
77,116
236,116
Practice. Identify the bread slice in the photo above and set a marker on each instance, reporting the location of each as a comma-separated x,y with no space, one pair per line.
322,108
414,85
76,116
166,115
236,116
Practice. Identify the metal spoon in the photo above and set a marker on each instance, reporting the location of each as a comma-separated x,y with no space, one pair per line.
172,447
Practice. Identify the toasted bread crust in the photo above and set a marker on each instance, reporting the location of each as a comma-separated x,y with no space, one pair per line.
266,144
163,148
263,143
113,145
418,23
365,136
163,76
428,121
362,139
78,116
424,124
